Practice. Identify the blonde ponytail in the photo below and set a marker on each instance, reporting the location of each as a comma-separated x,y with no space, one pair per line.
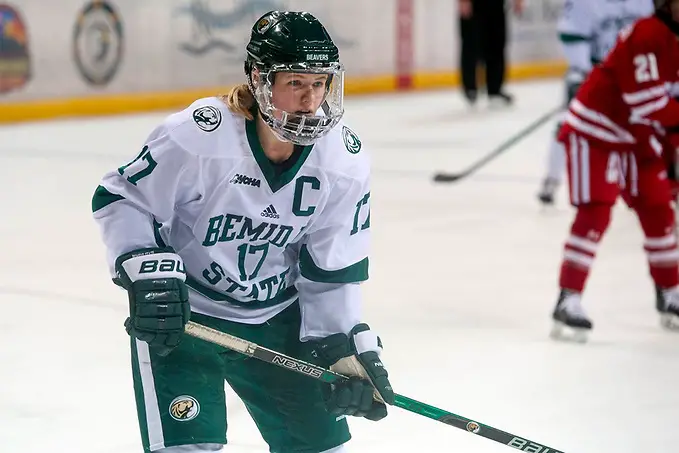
240,100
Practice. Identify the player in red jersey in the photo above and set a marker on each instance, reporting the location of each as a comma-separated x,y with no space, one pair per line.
620,133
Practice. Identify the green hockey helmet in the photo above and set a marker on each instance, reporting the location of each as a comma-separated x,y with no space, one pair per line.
286,41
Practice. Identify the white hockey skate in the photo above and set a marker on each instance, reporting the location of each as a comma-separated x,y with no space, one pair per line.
667,304
570,321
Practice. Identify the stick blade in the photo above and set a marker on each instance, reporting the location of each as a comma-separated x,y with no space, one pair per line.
447,177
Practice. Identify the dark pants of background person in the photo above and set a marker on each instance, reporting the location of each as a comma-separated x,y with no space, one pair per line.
483,39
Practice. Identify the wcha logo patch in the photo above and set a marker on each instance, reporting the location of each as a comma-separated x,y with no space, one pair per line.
184,408
207,118
245,180
351,140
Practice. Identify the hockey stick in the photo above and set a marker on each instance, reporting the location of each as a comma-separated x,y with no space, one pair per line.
452,177
267,355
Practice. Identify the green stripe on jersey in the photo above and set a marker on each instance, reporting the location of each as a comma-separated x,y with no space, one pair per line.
355,273
102,198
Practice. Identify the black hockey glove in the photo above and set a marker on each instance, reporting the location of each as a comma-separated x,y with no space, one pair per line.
358,356
574,78
159,299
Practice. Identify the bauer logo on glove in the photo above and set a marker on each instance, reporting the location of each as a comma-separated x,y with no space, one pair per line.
158,297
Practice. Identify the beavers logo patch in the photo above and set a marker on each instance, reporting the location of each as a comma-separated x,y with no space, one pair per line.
351,140
263,25
184,408
207,118
473,427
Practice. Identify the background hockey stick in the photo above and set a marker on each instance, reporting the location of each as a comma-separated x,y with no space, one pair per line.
267,355
452,177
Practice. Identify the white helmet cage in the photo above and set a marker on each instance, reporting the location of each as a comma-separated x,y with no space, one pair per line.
300,129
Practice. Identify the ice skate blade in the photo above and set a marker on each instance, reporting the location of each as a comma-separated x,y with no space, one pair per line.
562,332
669,321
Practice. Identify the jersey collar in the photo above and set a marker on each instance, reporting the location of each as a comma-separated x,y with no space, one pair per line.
275,180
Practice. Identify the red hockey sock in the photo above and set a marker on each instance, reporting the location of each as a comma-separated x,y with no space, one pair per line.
580,249
660,243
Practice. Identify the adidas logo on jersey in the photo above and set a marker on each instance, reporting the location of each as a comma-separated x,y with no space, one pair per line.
246,180
270,212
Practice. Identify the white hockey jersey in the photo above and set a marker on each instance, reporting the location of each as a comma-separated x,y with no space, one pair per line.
588,29
254,236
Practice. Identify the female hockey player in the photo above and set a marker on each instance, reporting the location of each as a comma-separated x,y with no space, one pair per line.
620,133
249,213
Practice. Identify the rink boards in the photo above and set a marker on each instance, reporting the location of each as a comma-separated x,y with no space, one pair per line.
94,58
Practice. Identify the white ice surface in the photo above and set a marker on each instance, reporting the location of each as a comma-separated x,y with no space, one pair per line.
464,278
